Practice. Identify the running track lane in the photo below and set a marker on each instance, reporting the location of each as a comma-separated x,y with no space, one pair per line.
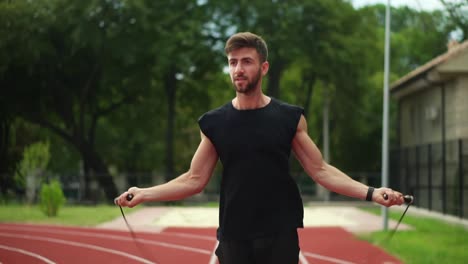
27,243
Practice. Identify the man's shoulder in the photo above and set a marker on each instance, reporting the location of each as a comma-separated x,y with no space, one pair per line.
218,112
287,106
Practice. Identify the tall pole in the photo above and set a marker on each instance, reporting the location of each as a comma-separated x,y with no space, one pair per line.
385,113
326,134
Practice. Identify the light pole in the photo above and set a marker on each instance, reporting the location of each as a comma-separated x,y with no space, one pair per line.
385,113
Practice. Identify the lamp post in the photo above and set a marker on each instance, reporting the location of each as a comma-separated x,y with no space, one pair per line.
386,113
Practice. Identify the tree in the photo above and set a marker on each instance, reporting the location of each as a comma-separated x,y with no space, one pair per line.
458,12
66,73
184,53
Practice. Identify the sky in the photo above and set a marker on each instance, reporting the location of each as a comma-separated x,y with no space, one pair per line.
416,4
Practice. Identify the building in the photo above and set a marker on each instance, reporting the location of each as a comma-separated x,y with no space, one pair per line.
431,159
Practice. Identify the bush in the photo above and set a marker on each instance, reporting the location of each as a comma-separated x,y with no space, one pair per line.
31,168
51,198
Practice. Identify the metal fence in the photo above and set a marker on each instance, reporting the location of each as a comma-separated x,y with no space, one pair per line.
435,174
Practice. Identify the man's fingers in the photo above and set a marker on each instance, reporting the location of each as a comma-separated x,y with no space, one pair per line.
392,197
125,199
119,201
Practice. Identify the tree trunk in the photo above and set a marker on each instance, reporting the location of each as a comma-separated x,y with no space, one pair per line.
309,83
274,77
171,88
5,179
93,165
99,171
86,194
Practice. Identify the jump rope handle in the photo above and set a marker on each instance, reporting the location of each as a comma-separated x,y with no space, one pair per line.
408,198
129,198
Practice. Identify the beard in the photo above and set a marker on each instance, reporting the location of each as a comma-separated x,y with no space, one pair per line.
250,85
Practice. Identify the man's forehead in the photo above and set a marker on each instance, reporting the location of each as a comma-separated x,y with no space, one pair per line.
243,53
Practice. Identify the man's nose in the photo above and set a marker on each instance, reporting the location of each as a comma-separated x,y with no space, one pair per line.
239,68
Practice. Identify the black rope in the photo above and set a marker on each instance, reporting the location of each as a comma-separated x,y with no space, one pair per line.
389,237
128,225
141,248
408,200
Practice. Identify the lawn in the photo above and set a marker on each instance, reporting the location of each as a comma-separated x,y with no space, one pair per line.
431,240
68,215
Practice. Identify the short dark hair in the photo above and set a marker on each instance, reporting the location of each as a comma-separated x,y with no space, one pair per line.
247,40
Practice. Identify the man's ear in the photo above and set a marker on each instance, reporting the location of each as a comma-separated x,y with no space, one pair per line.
265,66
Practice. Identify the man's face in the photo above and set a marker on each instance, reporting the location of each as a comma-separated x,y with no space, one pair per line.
246,70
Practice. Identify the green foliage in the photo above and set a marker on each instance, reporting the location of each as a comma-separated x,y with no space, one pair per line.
35,160
458,12
51,198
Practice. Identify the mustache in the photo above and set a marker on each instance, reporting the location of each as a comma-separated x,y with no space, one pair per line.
240,77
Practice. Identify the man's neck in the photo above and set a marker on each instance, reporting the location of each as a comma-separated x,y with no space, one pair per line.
252,101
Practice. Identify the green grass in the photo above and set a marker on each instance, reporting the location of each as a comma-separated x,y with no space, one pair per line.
430,241
67,215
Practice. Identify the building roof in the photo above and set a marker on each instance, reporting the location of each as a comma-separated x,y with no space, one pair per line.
454,50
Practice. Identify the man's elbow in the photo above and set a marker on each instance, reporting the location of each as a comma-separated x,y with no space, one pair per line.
196,183
318,174
198,189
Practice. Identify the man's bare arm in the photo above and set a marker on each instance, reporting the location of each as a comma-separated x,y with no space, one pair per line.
191,182
330,177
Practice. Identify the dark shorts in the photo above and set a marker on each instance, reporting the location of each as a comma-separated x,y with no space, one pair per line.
280,248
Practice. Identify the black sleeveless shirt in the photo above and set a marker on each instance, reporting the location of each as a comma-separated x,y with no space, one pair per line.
258,196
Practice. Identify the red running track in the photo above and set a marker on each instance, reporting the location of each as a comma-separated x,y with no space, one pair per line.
26,243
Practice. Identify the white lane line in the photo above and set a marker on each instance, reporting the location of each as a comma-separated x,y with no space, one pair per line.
329,259
113,237
78,244
29,253
214,258
302,259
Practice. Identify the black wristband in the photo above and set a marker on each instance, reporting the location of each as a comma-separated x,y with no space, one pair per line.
370,192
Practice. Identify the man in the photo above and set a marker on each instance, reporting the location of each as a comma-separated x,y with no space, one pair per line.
253,135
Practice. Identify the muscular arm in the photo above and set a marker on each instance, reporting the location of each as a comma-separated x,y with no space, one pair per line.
191,182
330,177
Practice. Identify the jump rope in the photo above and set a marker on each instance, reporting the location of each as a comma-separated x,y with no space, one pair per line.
129,197
409,199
